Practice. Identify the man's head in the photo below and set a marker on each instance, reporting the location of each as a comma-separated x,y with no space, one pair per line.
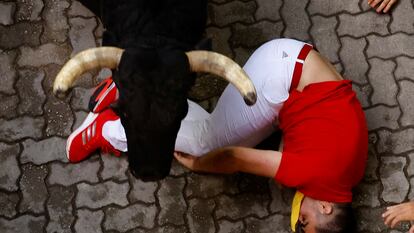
325,217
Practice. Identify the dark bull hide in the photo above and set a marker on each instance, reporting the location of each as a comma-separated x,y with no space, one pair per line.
153,72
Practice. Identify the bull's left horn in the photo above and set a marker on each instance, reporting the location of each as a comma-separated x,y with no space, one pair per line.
220,65
102,57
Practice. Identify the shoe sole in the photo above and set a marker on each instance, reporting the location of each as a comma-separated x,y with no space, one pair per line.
89,119
112,86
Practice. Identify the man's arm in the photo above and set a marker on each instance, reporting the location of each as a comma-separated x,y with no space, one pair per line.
230,160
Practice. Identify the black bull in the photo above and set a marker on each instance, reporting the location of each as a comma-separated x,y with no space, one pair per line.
153,74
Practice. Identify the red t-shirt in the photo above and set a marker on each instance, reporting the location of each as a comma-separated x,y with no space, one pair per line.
325,141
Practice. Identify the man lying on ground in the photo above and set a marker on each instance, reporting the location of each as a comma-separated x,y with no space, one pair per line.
324,133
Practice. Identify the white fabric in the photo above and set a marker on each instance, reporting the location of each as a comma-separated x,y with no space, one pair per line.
233,122
114,133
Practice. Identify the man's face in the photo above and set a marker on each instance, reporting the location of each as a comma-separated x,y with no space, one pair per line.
308,217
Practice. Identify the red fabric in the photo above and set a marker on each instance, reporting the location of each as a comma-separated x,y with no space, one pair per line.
325,141
297,72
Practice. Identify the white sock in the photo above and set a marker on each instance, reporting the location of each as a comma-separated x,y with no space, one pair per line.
114,133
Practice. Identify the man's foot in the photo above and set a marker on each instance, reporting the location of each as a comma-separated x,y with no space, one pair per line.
104,95
88,137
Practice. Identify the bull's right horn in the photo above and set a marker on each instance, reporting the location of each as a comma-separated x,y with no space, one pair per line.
102,57
220,65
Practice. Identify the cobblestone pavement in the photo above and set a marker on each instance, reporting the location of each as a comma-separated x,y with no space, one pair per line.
41,192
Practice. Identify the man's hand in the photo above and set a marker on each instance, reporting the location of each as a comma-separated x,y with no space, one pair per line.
186,160
397,213
384,5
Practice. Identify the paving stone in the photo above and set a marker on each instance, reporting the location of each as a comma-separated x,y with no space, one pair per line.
99,30
32,96
296,19
256,34
268,10
410,167
278,202
405,102
242,55
20,128
8,203
89,221
403,17
405,68
390,46
393,179
267,225
204,186
19,34
353,59
56,24
29,10
363,93
368,22
7,71
177,169
384,87
80,99
114,167
43,55
68,174
366,195
328,7
230,227
411,193
77,9
9,167
207,86
372,164
220,40
99,195
382,117
398,142
130,217
81,34
200,216
6,12
171,201
44,151
325,37
8,106
51,70
367,220
80,116
59,206
231,12
232,207
33,188
161,229
142,191
24,223
59,117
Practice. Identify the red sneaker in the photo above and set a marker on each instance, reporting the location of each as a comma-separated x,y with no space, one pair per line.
88,137
104,95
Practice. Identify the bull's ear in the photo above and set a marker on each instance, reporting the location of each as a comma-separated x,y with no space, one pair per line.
204,44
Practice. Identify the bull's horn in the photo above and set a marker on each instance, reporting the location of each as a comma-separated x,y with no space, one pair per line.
220,65
102,57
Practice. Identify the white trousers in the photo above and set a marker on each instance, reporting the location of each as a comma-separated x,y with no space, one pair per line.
232,122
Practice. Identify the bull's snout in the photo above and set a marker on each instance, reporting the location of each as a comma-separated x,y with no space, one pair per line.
149,175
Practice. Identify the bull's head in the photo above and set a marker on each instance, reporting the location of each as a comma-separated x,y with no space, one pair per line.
153,87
